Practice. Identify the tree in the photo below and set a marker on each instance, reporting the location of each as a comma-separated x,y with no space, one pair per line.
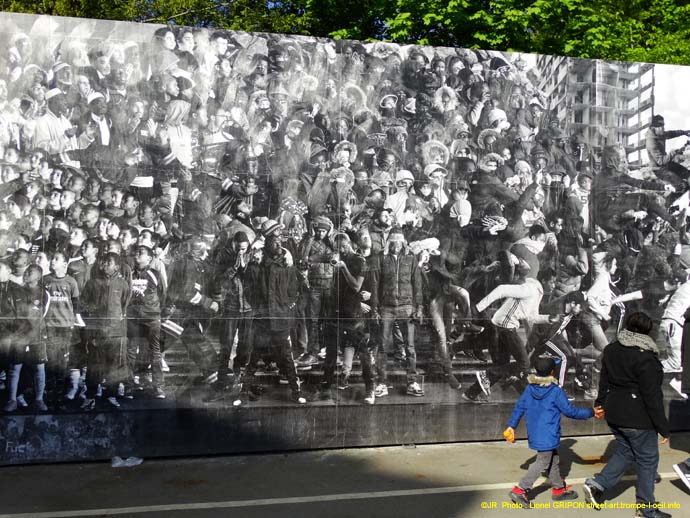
633,30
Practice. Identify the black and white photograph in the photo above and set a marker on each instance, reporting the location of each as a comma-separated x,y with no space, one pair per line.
203,226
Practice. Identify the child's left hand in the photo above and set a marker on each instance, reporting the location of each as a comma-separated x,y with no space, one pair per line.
598,412
509,434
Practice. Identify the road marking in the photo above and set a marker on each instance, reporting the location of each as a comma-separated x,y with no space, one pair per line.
284,501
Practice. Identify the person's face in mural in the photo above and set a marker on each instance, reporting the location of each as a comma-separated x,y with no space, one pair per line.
83,85
54,200
168,41
343,128
447,102
74,213
24,47
320,162
418,63
387,162
439,68
37,93
171,87
331,89
573,308
261,68
58,105
506,154
187,42
396,247
109,266
320,234
119,75
456,67
56,178
99,107
220,46
385,219
343,158
225,68
556,226
146,217
388,103
541,163
103,65
463,140
67,199
536,111
113,230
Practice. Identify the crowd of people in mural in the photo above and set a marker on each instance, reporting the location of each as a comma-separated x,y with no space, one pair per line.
288,203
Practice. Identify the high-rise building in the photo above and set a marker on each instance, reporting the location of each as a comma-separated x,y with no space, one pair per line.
608,102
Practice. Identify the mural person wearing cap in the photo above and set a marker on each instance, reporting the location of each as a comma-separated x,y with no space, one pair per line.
274,298
401,300
54,132
316,254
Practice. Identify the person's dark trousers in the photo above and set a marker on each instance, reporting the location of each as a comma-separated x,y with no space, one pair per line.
437,311
58,347
510,343
640,447
199,347
354,338
281,346
242,325
546,461
331,328
316,302
106,360
144,348
403,315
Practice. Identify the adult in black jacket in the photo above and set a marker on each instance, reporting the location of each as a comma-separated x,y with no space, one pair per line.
630,393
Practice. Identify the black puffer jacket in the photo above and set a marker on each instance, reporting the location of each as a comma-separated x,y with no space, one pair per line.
630,385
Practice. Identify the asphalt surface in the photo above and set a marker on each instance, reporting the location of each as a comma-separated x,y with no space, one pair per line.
439,481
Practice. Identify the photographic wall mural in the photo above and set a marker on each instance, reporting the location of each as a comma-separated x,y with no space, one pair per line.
228,222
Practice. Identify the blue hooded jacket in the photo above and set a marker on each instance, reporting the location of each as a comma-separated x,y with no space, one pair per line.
543,401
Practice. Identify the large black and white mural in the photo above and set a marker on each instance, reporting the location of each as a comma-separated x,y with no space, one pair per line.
223,225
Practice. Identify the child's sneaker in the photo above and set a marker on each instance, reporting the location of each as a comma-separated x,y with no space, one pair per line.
563,493
519,496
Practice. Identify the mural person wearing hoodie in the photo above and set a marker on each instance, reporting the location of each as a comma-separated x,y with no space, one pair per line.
542,403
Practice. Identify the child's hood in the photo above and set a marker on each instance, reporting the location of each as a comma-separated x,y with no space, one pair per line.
541,386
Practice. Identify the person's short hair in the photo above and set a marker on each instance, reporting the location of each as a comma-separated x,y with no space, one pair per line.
545,274
111,256
536,230
639,322
575,297
134,232
544,366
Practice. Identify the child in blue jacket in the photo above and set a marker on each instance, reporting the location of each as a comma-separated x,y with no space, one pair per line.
543,401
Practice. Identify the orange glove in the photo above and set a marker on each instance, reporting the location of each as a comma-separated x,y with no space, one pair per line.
509,434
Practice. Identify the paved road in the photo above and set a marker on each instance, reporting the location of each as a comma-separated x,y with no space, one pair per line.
439,481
